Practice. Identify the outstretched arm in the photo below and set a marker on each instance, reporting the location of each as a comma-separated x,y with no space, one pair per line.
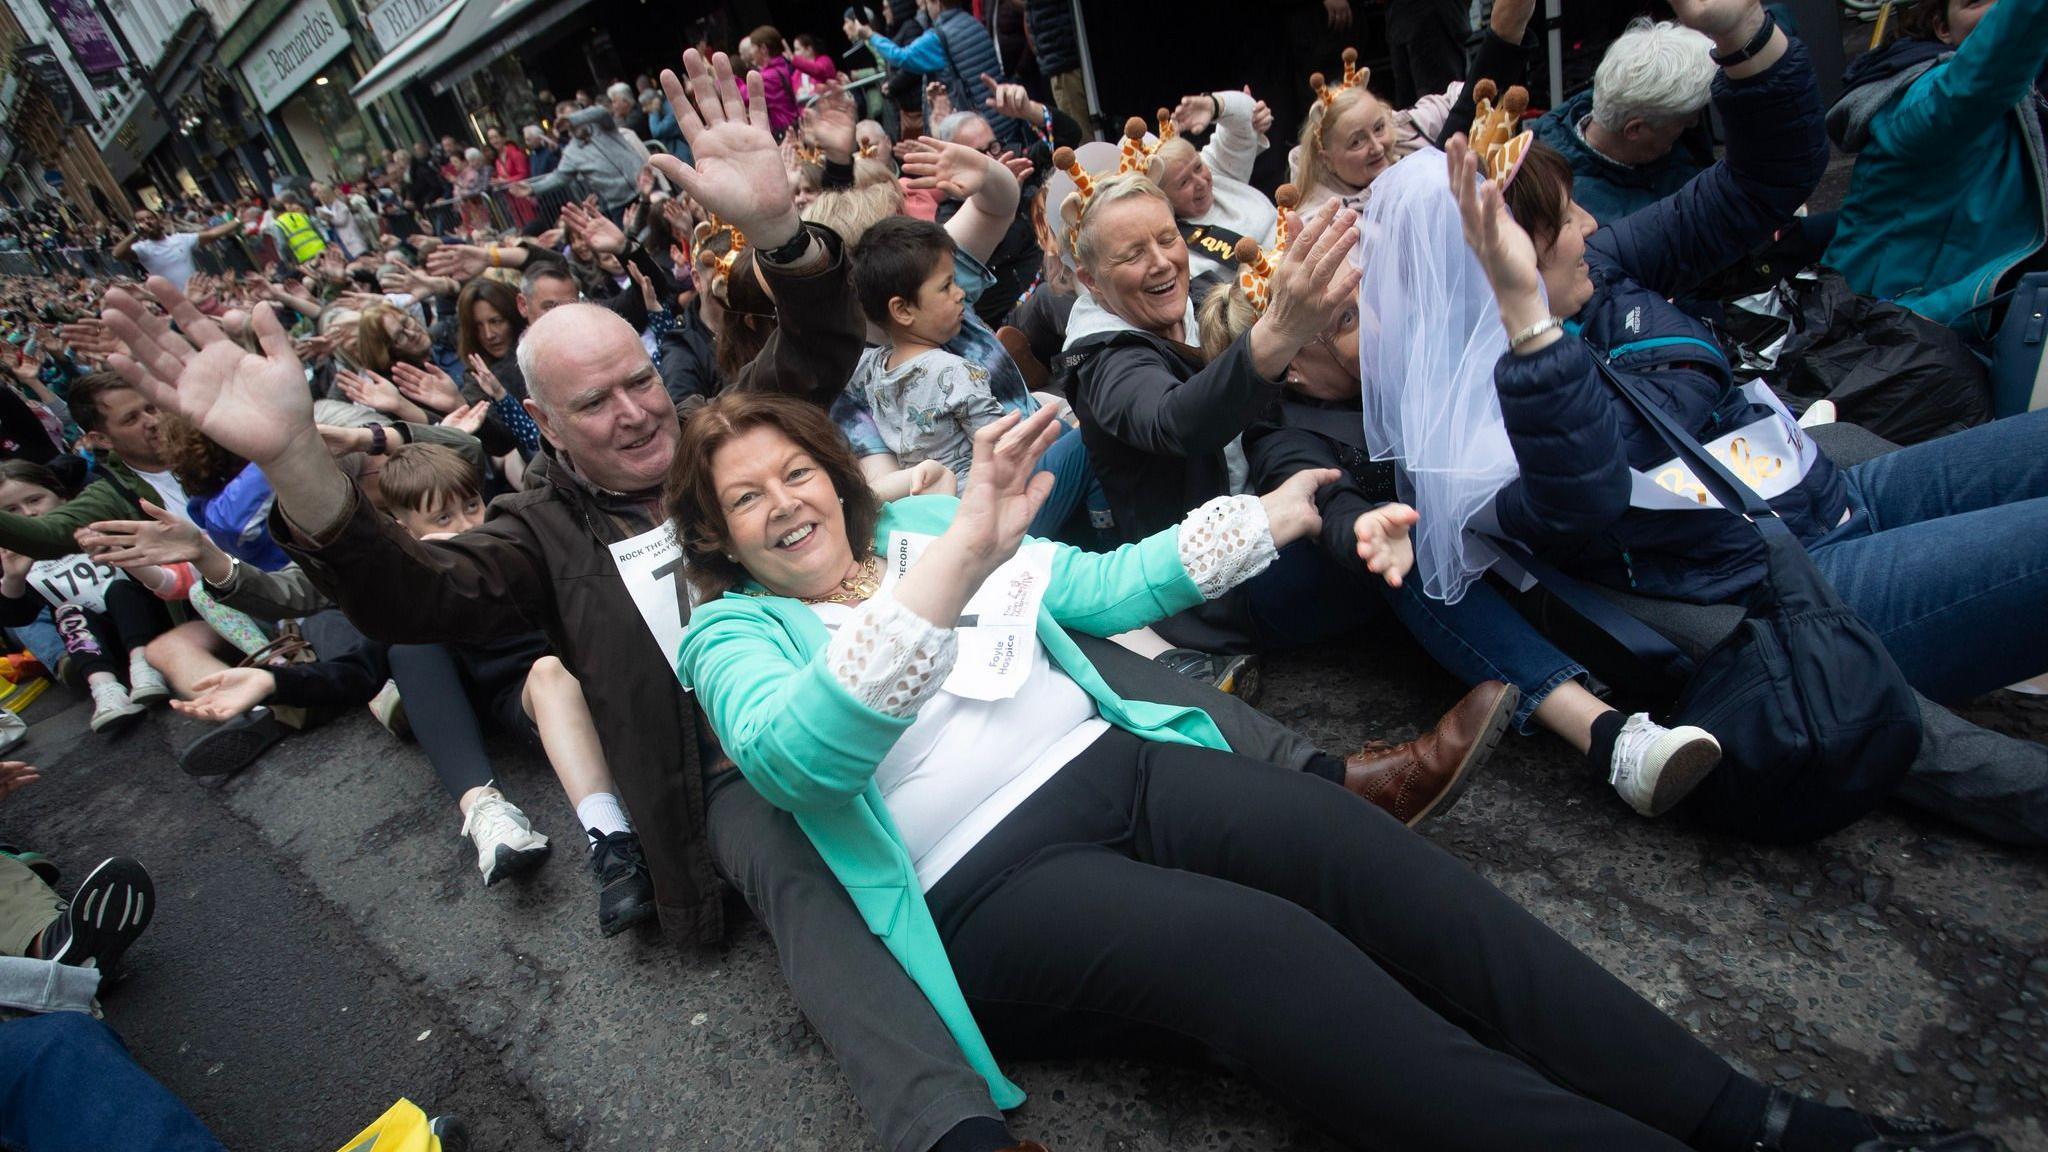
988,188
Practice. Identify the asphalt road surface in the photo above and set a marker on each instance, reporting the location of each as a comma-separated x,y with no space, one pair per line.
324,945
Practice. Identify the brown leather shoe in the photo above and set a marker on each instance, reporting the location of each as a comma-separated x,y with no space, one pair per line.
1423,777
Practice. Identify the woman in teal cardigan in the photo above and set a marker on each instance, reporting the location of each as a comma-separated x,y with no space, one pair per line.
1063,870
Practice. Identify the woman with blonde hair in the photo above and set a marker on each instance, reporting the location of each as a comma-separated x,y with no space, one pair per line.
1348,138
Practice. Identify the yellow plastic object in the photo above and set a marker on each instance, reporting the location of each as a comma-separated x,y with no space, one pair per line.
402,1129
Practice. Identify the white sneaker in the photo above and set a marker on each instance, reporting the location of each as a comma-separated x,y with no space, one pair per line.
1655,767
145,684
111,707
506,844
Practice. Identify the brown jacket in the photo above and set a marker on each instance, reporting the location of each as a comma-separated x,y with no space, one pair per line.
542,560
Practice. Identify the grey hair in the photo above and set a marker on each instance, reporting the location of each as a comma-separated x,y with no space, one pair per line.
531,131
1125,186
541,270
950,127
620,91
1657,72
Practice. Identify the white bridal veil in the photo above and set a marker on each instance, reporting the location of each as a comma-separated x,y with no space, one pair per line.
1429,335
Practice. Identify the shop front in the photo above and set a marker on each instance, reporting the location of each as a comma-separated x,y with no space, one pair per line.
300,73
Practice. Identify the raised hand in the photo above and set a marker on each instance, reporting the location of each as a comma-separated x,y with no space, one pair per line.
1291,511
254,404
648,296
468,418
1730,22
428,387
1510,20
486,381
1019,166
228,693
458,261
161,539
371,391
14,775
14,567
593,228
89,338
832,122
1316,280
1503,248
1012,100
954,169
1262,114
941,101
1383,541
737,171
1337,13
1004,488
1194,114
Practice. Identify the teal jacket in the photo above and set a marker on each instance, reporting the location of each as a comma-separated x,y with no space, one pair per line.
1950,190
757,664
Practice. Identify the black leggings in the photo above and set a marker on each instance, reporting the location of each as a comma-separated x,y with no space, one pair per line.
1192,901
101,641
442,703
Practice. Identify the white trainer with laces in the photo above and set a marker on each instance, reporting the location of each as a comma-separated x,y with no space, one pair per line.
111,707
145,684
1655,767
506,844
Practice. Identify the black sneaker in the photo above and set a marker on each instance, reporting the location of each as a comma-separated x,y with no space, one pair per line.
108,912
232,746
1236,675
625,891
1897,1134
450,1132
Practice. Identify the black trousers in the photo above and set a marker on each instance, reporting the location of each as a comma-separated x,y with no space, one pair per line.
1161,896
444,701
1426,39
101,641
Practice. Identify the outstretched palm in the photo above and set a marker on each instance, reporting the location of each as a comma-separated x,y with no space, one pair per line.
254,404
737,170
954,169
1004,487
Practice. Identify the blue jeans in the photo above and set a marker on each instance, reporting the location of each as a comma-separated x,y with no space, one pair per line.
1945,554
1307,597
68,1085
1074,484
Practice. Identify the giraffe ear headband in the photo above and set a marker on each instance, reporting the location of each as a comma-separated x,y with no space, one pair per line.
1494,139
1255,265
1136,151
1076,173
1326,93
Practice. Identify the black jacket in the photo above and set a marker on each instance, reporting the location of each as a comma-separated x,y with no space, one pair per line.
1156,421
1301,433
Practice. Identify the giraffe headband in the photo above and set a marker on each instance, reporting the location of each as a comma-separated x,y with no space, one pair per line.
1136,154
1255,265
1353,77
1494,140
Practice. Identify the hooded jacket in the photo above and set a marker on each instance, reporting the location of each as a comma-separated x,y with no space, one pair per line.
1611,190
1577,442
1950,191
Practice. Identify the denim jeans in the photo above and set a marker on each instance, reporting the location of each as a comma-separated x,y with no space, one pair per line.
1307,597
1074,484
1945,554
68,1085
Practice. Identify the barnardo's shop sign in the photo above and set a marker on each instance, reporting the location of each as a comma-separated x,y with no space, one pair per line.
293,52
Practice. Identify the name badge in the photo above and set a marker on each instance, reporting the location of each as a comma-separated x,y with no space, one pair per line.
1771,456
651,564
998,627
76,580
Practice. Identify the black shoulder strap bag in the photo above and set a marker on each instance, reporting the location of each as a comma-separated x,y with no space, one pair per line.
1817,724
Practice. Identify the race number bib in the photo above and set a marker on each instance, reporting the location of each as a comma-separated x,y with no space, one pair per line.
999,624
1771,456
651,564
76,580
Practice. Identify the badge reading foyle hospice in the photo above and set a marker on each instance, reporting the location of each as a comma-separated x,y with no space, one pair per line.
997,627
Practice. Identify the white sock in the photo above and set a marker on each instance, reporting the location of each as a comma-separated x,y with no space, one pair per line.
600,812
95,679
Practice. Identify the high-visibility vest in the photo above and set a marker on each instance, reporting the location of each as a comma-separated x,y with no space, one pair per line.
300,236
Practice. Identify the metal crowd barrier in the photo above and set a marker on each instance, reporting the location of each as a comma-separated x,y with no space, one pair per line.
62,261
497,210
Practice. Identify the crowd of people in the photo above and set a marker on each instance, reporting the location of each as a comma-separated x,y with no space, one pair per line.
766,464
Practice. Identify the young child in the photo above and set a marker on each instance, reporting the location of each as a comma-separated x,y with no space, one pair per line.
912,395
511,684
103,614
926,402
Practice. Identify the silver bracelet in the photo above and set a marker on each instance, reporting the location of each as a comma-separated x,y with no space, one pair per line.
1532,332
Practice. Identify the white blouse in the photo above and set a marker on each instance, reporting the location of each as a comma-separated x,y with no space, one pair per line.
965,764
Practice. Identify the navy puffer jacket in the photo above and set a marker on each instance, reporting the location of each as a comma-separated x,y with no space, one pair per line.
1576,440
1051,23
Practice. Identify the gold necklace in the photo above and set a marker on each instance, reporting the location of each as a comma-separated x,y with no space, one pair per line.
862,585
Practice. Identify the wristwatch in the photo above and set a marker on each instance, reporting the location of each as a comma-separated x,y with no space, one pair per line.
793,250
1756,43
377,440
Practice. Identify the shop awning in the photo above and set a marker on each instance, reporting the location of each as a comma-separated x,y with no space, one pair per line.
460,41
